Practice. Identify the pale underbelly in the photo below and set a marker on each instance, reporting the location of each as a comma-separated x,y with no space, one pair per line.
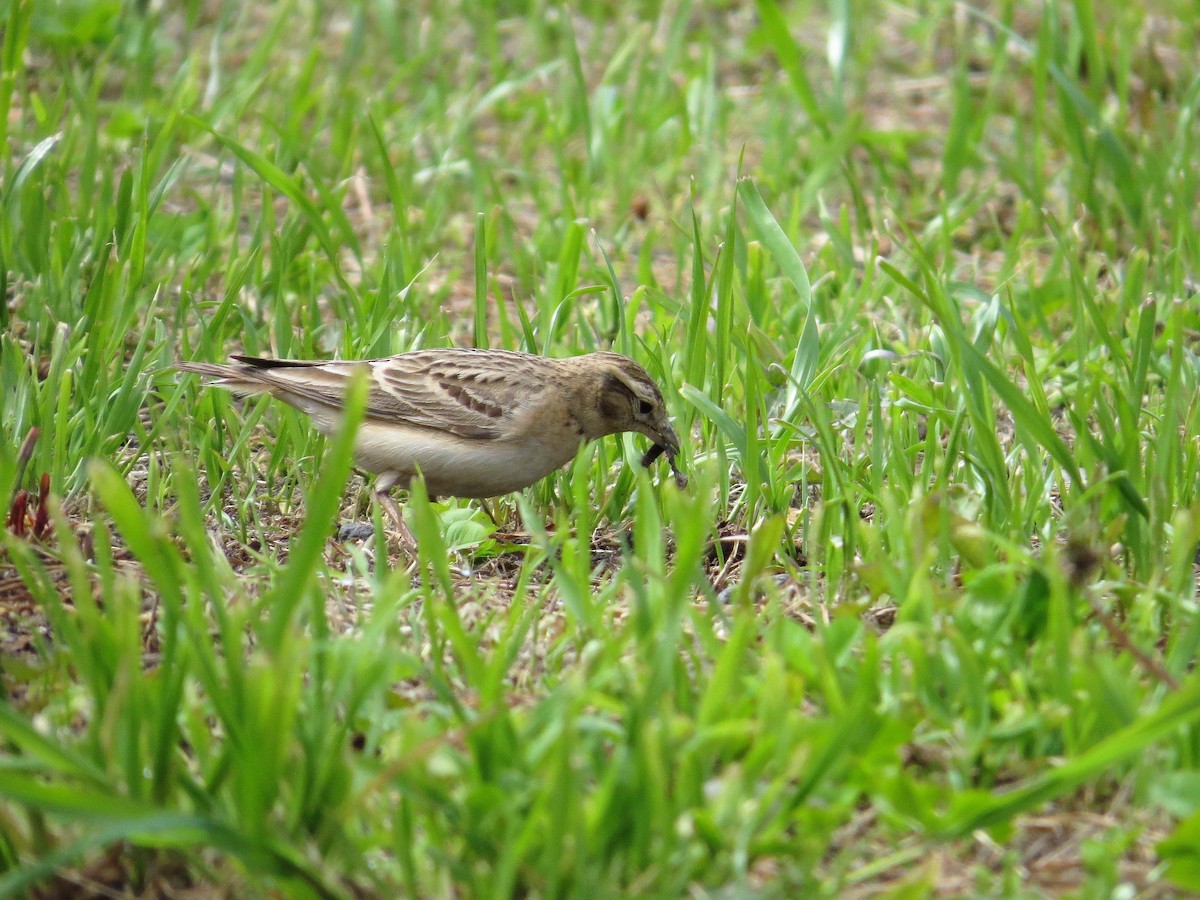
460,467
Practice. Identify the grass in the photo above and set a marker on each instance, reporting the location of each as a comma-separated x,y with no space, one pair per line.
919,283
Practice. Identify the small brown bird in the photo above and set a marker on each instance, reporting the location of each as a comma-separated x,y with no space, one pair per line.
472,423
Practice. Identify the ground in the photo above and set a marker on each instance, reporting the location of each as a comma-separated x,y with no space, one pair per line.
917,281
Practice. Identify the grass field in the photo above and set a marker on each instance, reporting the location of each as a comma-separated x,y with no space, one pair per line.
919,281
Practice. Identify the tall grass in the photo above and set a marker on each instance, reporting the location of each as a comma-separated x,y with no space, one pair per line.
918,287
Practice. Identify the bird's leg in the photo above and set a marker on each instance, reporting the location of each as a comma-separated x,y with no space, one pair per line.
383,486
491,513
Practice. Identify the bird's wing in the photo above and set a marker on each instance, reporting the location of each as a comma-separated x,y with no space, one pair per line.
471,394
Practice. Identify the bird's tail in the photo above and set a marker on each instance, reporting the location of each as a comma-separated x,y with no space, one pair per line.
237,378
208,370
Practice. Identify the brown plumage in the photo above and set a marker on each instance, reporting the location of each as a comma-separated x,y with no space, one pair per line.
473,423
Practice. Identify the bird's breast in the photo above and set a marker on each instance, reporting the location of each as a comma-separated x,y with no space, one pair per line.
465,467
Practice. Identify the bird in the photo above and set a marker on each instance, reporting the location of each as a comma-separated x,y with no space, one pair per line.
472,423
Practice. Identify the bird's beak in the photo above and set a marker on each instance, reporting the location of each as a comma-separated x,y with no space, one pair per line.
665,441
669,441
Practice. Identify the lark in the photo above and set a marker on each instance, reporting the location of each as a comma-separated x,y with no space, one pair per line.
470,423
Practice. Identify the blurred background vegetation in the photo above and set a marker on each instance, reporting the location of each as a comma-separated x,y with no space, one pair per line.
918,280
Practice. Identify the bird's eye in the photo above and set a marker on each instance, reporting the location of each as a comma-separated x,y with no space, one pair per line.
645,407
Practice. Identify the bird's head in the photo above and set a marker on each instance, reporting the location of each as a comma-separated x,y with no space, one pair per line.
625,398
